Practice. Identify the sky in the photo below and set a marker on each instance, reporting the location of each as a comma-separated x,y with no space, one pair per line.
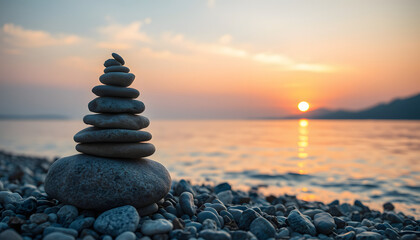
210,59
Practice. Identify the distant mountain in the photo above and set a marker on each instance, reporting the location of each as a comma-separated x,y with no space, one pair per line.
32,117
406,108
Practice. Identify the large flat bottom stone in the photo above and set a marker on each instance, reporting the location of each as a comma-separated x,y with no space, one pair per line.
90,182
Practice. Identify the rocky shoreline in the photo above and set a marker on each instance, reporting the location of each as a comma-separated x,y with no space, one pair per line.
187,212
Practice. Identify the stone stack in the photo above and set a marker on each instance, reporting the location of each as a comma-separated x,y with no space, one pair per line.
112,170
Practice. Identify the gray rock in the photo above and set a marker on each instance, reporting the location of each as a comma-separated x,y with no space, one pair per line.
67,214
125,121
117,220
226,197
38,218
82,223
126,236
208,215
147,210
312,212
346,236
111,62
113,91
262,228
388,206
246,219
7,197
115,105
186,201
214,235
184,186
90,182
67,231
222,187
10,234
159,226
117,150
394,218
209,224
117,57
58,236
242,235
299,223
409,237
391,234
368,236
93,134
116,69
121,79
324,223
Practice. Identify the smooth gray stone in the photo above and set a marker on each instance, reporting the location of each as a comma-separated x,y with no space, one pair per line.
116,69
117,220
186,201
58,236
159,226
324,223
111,62
126,236
117,79
214,235
117,150
125,121
90,182
299,223
93,134
115,105
113,91
117,57
10,234
148,210
262,228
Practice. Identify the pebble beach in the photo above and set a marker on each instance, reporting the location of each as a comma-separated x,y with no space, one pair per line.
188,211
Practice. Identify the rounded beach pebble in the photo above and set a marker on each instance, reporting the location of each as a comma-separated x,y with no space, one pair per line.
117,57
92,134
98,183
121,79
125,121
113,91
117,150
115,105
117,220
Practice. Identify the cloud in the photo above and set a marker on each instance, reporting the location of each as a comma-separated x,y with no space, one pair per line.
124,36
224,47
25,38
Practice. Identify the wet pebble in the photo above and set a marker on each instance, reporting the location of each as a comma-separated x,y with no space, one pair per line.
186,201
324,223
152,227
299,223
262,228
117,220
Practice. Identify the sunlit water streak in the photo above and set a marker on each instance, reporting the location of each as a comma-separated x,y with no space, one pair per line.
374,161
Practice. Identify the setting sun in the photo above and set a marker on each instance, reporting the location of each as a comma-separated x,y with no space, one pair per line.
303,106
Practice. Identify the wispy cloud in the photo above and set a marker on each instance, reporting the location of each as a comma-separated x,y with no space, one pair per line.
124,36
225,47
17,36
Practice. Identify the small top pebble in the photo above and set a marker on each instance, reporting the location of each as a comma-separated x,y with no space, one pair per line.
118,58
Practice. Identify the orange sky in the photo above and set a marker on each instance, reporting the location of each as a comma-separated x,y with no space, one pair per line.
211,59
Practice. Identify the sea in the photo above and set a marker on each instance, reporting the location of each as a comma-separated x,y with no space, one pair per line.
375,161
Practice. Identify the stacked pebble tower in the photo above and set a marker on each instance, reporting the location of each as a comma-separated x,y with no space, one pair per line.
114,133
112,170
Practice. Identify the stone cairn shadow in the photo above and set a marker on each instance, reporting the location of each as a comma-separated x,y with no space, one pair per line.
111,170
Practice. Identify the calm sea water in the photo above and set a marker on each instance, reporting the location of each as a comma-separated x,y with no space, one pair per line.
374,161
